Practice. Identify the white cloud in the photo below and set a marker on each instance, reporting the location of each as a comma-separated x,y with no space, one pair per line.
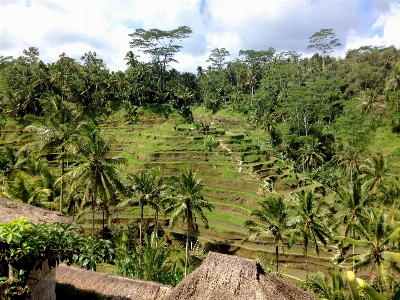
79,26
389,22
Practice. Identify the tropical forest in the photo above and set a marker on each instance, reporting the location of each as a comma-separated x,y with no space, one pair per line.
290,160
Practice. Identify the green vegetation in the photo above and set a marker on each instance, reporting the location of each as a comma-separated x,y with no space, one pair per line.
318,134
25,246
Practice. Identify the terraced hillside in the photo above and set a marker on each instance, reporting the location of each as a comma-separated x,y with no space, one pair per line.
236,175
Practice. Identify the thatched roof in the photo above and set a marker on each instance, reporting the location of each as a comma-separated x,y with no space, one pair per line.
111,287
11,210
223,276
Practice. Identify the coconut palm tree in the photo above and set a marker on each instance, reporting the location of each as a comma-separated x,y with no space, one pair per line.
375,174
51,134
307,222
351,204
97,174
158,196
188,202
328,288
19,189
390,195
3,123
45,190
275,214
346,158
185,94
372,103
146,189
311,154
380,240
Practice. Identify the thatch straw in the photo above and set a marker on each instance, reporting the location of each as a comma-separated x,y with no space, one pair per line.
111,287
229,277
11,210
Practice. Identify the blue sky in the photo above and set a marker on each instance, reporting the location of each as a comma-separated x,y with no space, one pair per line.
79,26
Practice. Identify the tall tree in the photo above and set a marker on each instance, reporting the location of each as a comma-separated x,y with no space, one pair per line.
61,74
325,41
218,58
160,45
308,223
371,104
375,174
311,154
97,174
275,214
379,238
51,134
146,188
189,203
346,158
351,203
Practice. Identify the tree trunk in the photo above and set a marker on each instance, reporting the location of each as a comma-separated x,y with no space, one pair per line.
62,181
11,277
93,206
156,228
102,234
187,250
141,225
306,258
93,209
353,237
276,257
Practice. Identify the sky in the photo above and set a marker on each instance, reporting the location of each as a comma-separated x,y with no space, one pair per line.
102,26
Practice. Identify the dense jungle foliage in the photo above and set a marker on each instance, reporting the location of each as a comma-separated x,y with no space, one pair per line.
320,114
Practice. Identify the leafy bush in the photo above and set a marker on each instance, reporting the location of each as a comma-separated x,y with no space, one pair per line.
291,181
150,262
24,245
210,142
327,175
251,158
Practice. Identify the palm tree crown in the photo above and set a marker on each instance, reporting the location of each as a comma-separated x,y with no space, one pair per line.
97,174
188,202
275,213
308,222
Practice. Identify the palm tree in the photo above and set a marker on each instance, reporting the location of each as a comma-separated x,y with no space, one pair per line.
390,195
393,79
147,188
275,213
185,94
377,236
311,154
158,197
351,202
375,173
371,103
45,190
346,158
19,189
3,123
97,173
307,222
189,202
52,134
328,288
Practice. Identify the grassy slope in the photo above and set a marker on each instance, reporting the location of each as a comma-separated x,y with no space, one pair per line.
161,142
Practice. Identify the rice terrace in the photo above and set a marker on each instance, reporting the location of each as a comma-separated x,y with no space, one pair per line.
156,182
